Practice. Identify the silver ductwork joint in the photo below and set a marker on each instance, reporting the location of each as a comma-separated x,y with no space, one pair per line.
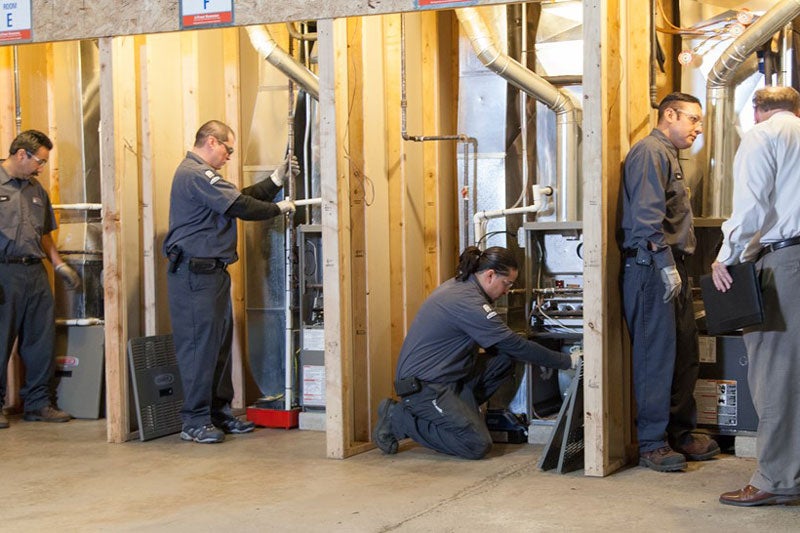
263,42
718,189
562,102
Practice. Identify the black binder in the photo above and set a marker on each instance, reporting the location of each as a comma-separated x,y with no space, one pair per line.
737,308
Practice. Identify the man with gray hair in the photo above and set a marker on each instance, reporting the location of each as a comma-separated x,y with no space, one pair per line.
765,227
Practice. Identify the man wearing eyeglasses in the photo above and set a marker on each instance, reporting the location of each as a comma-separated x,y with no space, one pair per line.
200,244
765,227
26,300
658,235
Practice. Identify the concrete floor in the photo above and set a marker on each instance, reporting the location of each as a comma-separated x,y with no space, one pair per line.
65,477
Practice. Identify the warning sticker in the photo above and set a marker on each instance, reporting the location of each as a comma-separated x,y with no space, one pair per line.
717,402
314,385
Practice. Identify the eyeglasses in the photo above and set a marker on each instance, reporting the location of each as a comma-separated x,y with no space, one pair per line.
40,162
694,119
507,283
229,149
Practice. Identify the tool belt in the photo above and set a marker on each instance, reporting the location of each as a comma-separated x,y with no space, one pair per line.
206,265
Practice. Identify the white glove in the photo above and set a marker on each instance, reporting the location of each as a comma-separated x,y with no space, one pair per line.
279,175
575,354
672,282
286,206
71,279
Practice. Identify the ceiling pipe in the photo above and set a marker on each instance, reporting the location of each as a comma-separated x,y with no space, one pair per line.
562,102
264,43
718,190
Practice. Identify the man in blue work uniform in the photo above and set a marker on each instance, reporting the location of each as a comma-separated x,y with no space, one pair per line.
200,244
658,231
441,378
26,301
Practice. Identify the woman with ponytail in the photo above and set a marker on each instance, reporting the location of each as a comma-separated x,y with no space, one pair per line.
442,377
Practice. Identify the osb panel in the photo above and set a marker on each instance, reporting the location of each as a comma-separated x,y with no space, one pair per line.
58,20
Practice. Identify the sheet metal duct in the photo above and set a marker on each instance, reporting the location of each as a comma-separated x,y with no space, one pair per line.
561,101
718,190
265,44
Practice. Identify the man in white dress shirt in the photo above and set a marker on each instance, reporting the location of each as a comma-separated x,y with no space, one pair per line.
765,227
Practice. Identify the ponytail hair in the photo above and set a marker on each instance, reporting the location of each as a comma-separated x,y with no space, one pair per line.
497,258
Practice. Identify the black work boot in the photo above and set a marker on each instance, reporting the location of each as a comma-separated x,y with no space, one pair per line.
382,435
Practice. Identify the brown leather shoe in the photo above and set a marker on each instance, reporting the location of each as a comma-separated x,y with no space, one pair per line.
750,496
48,413
698,447
3,420
664,459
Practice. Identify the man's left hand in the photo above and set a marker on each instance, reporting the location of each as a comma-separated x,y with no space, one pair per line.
279,176
71,279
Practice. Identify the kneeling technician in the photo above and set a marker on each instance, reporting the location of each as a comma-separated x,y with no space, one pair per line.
441,377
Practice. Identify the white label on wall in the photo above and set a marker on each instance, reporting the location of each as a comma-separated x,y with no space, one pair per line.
15,24
196,13
314,385
708,349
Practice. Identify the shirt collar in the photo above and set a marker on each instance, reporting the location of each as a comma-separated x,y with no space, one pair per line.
477,283
658,134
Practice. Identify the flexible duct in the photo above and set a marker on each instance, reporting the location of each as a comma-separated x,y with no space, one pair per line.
561,101
718,190
264,43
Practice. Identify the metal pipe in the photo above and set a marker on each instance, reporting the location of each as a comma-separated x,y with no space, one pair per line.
718,190
481,218
787,56
561,101
79,321
310,36
653,48
17,100
264,43
289,193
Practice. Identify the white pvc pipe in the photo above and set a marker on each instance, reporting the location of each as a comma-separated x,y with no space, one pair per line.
308,201
80,321
481,218
78,207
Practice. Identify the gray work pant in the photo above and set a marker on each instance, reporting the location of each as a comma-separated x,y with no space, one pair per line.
26,311
774,373
202,328
446,417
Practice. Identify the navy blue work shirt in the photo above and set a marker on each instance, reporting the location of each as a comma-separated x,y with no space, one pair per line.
197,220
456,319
655,201
26,214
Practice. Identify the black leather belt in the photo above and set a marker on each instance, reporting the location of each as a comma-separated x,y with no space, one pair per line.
206,265
21,260
778,245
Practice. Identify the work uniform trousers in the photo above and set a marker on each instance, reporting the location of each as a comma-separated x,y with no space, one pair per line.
665,354
202,328
773,373
446,416
26,312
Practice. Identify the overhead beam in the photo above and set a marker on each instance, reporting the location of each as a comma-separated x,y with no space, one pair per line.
78,19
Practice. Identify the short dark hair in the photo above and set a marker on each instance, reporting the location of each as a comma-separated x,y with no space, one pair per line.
497,258
668,102
777,97
212,128
30,141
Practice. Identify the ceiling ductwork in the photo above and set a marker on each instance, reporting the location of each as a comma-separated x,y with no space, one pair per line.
264,43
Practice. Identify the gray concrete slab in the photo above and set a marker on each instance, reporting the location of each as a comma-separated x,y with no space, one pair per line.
65,477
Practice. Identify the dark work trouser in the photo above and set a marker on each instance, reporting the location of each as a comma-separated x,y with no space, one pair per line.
26,311
665,354
202,328
445,416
